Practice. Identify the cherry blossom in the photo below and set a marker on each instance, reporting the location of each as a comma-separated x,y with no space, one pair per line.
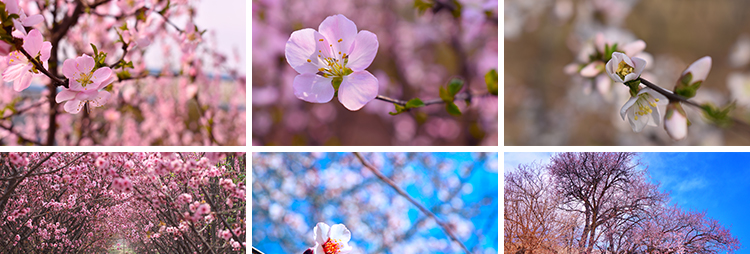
23,21
20,70
642,109
675,121
85,84
333,59
331,240
621,68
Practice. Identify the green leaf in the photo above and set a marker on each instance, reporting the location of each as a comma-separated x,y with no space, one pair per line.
422,6
685,80
452,109
447,97
414,103
491,79
687,91
96,51
455,85
123,75
719,116
399,109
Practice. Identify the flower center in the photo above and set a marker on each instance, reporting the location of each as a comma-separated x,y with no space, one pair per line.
334,66
332,246
85,79
623,69
644,105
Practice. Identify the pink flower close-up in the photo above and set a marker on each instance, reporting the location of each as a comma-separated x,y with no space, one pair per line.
20,70
333,59
85,84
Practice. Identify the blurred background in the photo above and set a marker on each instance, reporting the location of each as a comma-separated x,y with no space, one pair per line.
292,192
422,45
546,106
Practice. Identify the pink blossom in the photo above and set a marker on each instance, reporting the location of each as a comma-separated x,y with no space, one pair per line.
20,70
12,7
85,84
334,58
203,209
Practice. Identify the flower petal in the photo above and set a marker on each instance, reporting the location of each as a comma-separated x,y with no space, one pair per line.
633,48
33,20
339,232
655,116
699,68
45,51
299,48
69,69
101,74
323,49
319,249
101,98
611,68
313,88
340,32
65,95
358,89
591,70
637,125
363,50
73,106
23,82
628,104
320,233
640,64
84,64
33,42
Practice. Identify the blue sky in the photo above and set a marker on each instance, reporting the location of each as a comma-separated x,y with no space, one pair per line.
483,182
713,182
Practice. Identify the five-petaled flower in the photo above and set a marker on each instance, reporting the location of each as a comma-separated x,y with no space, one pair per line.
621,68
12,7
642,109
85,84
331,240
334,58
20,70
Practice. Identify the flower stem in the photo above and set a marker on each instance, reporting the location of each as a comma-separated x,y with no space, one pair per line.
461,96
40,67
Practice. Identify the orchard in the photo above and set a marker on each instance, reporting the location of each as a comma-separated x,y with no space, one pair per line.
122,203
84,73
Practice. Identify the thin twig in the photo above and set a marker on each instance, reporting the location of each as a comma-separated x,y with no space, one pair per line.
40,67
405,195
458,97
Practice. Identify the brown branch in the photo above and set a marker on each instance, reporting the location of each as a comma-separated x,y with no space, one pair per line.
408,197
462,96
57,81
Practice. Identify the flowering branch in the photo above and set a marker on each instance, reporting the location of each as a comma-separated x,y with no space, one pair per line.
459,97
405,195
55,80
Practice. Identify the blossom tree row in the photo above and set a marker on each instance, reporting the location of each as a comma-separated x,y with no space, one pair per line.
601,203
94,202
81,73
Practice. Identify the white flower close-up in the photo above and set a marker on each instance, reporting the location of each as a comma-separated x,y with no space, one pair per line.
621,68
642,109
331,240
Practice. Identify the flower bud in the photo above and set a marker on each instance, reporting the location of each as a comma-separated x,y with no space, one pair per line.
699,70
675,121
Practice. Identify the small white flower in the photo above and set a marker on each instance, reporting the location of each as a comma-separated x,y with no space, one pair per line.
331,240
621,68
642,109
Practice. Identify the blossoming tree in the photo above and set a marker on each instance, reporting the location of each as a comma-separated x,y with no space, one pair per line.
142,202
94,87
601,202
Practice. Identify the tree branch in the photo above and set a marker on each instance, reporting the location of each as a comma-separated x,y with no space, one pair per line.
462,96
405,195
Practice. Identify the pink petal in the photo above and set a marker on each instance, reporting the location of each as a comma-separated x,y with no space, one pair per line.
15,71
313,88
112,78
323,48
699,68
364,49
358,89
84,63
69,69
299,48
101,74
33,20
46,49
101,98
340,32
23,82
33,42
339,232
73,106
65,95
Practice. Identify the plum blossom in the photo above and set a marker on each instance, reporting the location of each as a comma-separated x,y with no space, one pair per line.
23,21
85,84
639,108
698,69
20,70
621,68
332,59
331,240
